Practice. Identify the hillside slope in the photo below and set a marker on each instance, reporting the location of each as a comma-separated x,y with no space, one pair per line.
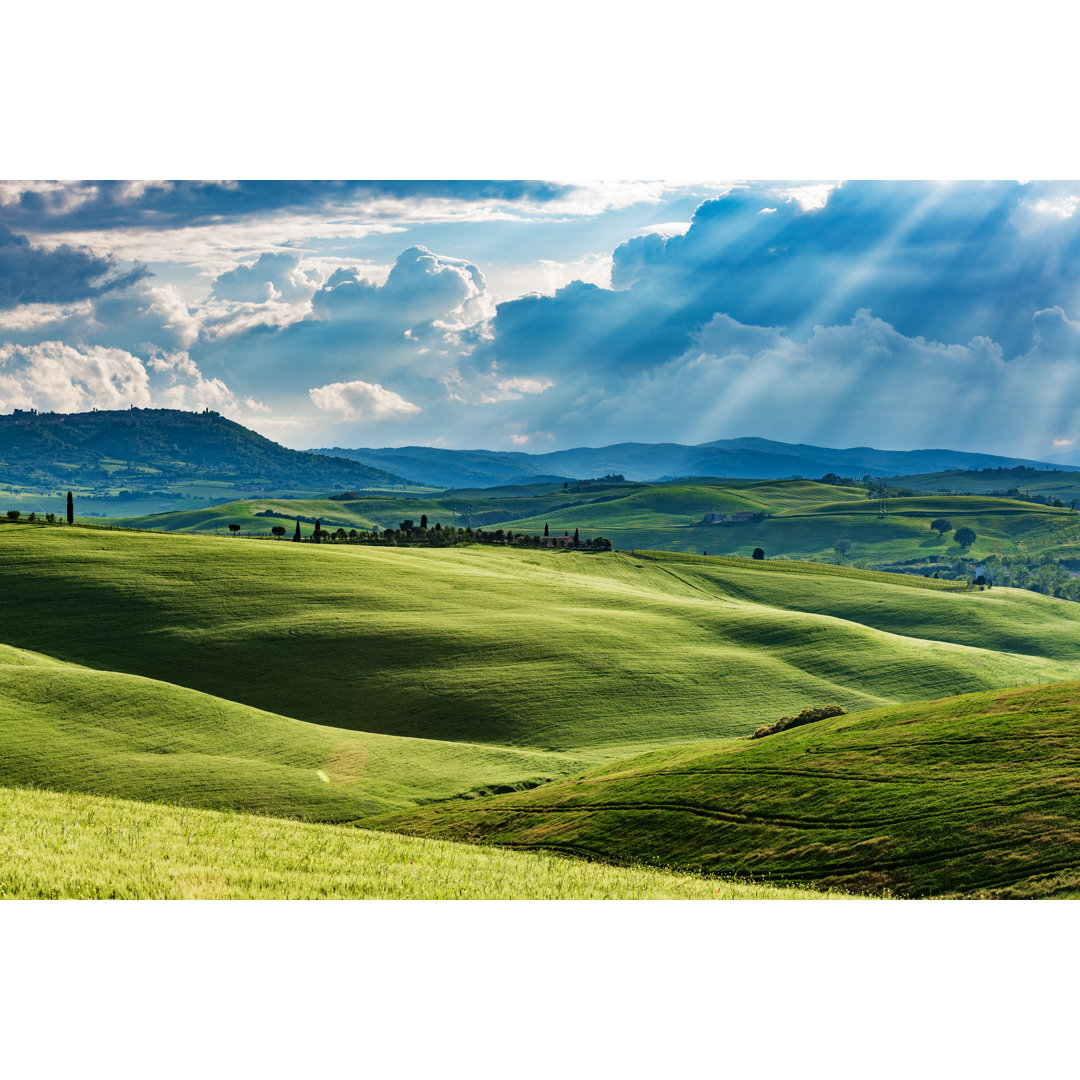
155,447
73,728
544,650
969,796
88,847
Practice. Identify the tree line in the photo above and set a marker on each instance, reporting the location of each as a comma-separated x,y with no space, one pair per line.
410,534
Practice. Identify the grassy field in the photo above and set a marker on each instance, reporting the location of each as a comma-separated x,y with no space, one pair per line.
552,651
339,684
61,846
75,728
974,796
802,519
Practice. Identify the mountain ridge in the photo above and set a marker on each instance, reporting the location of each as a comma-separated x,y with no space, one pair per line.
746,458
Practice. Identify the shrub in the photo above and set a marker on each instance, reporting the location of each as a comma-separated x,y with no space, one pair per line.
807,716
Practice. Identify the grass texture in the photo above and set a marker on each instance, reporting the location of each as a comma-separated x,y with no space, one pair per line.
66,846
974,796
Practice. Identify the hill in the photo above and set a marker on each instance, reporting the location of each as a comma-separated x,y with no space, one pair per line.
796,519
88,847
1021,482
155,448
746,457
75,728
968,796
539,650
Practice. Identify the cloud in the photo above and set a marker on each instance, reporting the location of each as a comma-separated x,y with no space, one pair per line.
421,287
361,400
53,376
274,276
56,377
171,204
34,275
183,386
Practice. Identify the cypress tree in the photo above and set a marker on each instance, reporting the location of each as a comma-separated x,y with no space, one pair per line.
545,528
317,535
577,542
296,535
70,509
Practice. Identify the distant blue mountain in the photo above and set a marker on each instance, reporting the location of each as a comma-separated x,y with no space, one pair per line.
746,458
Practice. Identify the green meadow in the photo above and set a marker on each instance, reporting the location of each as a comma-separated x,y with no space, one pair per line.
65,846
797,519
974,796
341,684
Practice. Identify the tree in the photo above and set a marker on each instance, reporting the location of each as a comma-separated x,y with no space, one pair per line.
965,537
234,528
545,528
317,534
278,531
577,539
940,525
296,535
423,521
70,509
842,547
14,515
758,554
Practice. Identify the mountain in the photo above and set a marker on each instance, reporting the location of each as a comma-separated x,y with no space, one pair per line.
153,448
746,458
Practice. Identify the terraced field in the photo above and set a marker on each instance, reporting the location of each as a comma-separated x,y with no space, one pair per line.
971,796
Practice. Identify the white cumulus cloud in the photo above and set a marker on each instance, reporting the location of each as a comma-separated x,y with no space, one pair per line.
361,400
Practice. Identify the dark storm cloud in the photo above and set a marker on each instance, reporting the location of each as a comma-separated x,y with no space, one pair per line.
117,204
34,275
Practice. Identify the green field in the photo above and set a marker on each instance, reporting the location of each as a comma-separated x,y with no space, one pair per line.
337,684
973,796
74,728
799,519
64,846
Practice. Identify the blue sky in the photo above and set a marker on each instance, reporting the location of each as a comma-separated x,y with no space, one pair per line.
544,315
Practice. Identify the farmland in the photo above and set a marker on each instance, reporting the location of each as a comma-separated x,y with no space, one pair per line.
968,796
65,846
796,519
341,685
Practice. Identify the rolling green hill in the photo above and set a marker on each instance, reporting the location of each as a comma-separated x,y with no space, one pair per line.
74,728
87,847
795,519
539,649
970,796
334,683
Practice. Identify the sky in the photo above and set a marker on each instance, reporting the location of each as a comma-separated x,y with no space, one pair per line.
544,315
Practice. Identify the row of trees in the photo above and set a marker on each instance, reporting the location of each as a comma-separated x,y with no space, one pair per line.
410,534
50,519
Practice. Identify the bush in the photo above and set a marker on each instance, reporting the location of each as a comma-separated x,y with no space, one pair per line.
758,554
807,716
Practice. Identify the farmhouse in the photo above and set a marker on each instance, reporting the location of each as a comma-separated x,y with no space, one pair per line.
557,541
713,518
